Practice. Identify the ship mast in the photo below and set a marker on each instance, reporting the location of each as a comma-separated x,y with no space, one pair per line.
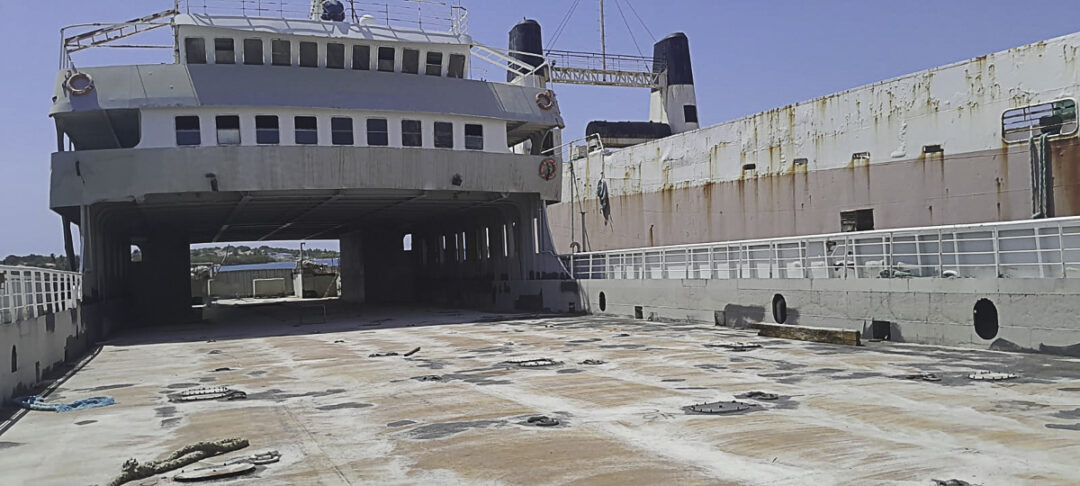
603,41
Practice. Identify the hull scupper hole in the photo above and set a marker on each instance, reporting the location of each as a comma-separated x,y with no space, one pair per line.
986,319
603,302
779,309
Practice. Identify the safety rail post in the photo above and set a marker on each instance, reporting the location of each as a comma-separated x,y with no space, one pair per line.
802,258
1061,251
774,261
34,276
591,258
1038,252
573,271
997,253
940,255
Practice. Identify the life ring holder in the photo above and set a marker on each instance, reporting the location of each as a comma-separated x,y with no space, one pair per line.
545,100
548,169
83,78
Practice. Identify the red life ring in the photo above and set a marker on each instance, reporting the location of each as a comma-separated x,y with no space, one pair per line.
548,169
544,100
79,84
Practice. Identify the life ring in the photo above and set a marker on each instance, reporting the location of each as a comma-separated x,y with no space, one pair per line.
548,169
544,100
79,84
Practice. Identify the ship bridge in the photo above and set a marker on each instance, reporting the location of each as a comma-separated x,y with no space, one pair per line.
280,125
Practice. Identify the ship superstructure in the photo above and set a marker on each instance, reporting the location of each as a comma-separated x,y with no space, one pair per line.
300,121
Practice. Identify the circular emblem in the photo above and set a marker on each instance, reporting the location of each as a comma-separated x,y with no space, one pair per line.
548,169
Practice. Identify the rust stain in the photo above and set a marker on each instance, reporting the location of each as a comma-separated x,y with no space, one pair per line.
1066,167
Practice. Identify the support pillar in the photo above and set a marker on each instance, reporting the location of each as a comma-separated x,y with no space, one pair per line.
352,268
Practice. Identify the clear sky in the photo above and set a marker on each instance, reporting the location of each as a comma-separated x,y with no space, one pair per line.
748,56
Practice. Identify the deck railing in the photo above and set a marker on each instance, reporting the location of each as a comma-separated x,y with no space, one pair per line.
415,14
26,293
1047,248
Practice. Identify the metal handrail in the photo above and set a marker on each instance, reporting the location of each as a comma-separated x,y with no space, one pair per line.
29,292
1046,248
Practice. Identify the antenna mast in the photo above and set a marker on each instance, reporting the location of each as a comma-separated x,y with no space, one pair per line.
603,41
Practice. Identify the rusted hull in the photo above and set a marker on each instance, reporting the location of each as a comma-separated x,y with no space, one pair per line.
933,189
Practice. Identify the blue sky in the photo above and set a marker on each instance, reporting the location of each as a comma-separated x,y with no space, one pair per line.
749,56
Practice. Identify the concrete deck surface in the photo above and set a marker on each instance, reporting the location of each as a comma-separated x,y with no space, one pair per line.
339,416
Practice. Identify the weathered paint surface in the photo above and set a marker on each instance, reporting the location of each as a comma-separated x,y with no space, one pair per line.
338,416
740,179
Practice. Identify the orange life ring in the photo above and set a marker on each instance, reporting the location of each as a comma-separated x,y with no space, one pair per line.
548,169
79,84
544,100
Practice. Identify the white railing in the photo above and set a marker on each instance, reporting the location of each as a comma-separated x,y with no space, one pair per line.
26,293
1047,248
415,14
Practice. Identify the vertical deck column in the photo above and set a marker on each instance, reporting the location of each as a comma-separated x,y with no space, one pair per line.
165,295
352,268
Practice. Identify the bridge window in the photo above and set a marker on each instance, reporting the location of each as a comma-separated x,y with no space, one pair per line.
341,132
253,52
377,134
690,113
224,51
335,56
411,136
307,130
444,135
361,58
410,61
474,136
386,59
266,129
456,69
434,64
309,54
187,130
280,52
1055,118
228,130
195,50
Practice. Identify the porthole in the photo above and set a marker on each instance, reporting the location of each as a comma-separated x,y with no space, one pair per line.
985,316
603,302
779,309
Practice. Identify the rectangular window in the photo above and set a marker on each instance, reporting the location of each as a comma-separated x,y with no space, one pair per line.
224,51
307,130
253,52
411,136
377,134
410,61
444,135
386,59
456,69
434,64
1054,118
266,129
335,56
195,50
228,130
858,220
309,54
474,137
361,58
341,131
187,130
280,52
690,113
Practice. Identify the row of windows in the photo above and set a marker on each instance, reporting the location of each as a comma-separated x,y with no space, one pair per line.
333,53
306,131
